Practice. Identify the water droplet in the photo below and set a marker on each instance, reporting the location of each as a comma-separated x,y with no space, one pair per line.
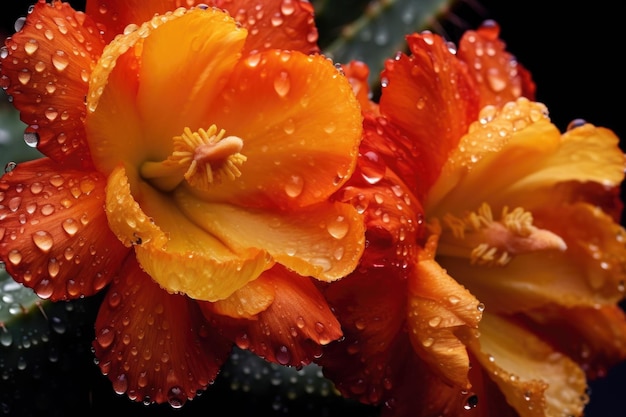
289,127
472,402
60,60
105,337
31,139
282,355
19,23
372,167
277,20
31,46
120,384
435,321
10,166
43,240
481,307
338,228
282,84
176,397
576,123
24,76
51,113
294,186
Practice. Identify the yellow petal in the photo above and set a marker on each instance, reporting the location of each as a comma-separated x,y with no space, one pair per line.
156,80
324,240
173,251
536,380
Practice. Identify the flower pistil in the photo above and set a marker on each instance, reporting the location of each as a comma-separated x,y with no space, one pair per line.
202,158
494,242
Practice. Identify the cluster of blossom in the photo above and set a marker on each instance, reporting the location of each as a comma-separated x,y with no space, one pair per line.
444,248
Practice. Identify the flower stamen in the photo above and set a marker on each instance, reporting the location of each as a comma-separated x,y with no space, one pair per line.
202,158
491,242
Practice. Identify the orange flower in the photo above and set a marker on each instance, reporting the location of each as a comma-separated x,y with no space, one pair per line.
494,258
188,168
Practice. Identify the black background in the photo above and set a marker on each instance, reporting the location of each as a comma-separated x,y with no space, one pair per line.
574,52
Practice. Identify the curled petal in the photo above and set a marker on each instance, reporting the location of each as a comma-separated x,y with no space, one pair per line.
291,329
154,345
248,301
438,307
325,240
536,380
54,235
499,77
165,242
48,67
358,73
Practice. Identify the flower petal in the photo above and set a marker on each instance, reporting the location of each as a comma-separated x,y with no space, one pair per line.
185,57
595,337
291,330
302,131
46,73
429,95
283,24
54,236
155,346
437,307
165,242
498,75
272,23
248,301
536,380
325,240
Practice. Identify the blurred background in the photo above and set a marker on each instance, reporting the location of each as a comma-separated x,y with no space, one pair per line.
574,53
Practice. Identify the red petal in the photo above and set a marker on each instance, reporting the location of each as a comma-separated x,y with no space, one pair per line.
432,99
54,235
48,68
155,346
499,76
281,24
291,330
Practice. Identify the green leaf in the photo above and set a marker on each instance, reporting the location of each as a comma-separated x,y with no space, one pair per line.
380,31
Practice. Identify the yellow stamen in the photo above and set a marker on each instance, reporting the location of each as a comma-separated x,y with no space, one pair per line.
202,158
494,242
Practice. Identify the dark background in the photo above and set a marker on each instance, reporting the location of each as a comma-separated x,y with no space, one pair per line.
574,52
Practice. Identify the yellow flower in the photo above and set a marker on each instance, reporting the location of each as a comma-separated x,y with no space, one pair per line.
495,258
190,157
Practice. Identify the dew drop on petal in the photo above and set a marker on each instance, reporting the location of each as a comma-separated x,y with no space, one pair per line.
105,337
60,60
175,397
43,240
282,84
338,227
31,46
15,257
120,384
31,139
372,167
294,186
282,355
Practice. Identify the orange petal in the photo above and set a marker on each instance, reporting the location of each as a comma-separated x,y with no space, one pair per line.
301,132
248,301
155,346
438,307
54,236
325,240
166,242
498,75
46,72
431,98
185,57
291,330
536,380
595,337
358,73
279,24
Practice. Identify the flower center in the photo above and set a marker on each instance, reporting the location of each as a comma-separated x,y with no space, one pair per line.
202,158
489,242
